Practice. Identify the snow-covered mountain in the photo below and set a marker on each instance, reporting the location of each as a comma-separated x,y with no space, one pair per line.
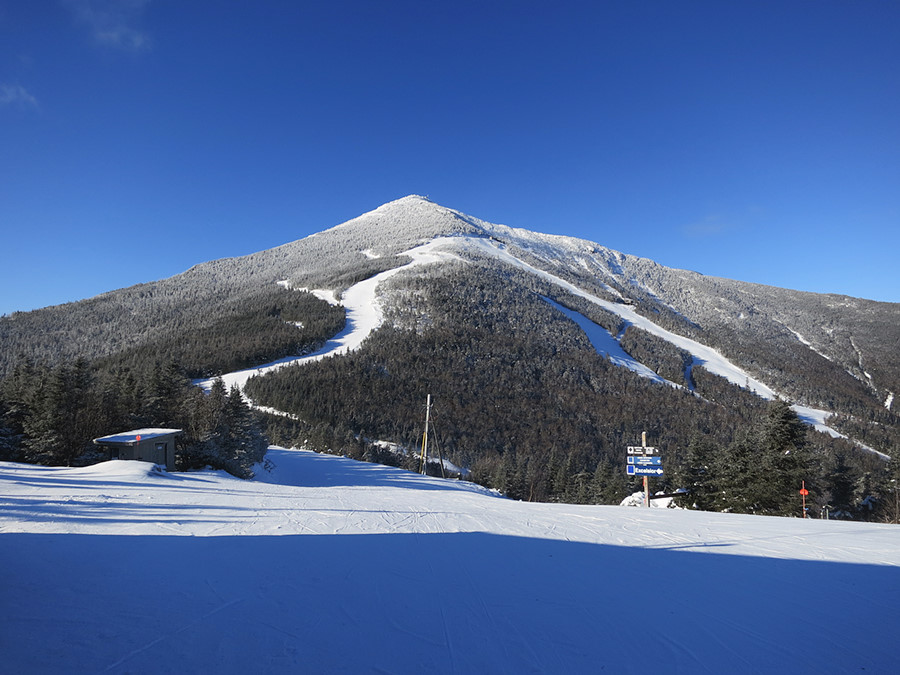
545,356
327,565
389,268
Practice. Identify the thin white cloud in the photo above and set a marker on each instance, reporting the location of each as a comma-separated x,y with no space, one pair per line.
711,226
16,95
112,23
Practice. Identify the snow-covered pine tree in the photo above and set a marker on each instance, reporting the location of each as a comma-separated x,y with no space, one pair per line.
697,475
738,475
785,460
838,480
245,443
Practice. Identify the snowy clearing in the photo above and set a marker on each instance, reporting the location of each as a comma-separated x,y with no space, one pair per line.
330,565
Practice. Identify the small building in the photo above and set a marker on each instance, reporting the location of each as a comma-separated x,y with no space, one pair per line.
146,445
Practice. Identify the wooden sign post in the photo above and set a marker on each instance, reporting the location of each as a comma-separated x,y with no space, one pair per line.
643,461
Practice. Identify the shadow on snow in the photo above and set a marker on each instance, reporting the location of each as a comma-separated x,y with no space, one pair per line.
437,603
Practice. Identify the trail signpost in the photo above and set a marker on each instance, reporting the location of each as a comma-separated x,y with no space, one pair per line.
632,470
642,461
645,461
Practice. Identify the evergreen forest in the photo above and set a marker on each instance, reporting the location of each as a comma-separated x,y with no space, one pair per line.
51,412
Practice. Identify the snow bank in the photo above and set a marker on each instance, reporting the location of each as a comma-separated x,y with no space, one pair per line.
637,499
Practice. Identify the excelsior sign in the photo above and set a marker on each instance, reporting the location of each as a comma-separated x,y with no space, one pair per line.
633,470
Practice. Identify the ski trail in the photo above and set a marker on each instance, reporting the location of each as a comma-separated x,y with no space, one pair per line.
705,356
702,354
608,346
364,315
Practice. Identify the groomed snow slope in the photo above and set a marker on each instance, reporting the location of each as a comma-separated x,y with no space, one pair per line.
329,565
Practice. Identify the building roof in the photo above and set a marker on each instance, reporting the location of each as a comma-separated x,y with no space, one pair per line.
132,437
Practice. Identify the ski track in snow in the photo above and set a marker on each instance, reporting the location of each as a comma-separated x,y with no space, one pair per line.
329,565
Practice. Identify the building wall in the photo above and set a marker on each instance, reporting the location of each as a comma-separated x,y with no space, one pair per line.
156,450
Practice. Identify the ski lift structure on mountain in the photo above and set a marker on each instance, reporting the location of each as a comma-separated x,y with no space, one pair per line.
423,457
145,445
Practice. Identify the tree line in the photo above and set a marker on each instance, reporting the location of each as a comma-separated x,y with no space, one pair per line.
51,414
241,335
763,469
206,330
51,410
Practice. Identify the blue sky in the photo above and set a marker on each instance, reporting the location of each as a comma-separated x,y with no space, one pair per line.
758,141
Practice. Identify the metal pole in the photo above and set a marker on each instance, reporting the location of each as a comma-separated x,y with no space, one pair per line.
425,436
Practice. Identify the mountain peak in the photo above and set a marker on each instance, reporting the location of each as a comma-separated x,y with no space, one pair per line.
405,222
412,198
417,203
